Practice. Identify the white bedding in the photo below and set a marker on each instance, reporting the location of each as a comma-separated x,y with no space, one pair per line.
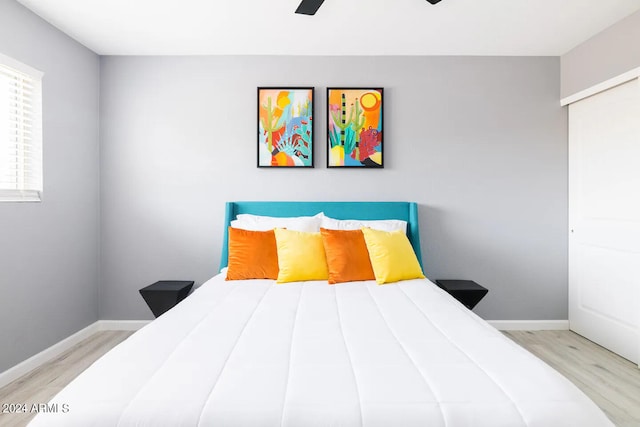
252,353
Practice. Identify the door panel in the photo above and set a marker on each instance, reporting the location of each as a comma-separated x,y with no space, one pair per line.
604,219
614,281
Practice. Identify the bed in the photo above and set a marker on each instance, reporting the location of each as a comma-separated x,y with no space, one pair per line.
257,353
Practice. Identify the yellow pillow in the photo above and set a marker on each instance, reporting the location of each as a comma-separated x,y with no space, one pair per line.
392,256
300,256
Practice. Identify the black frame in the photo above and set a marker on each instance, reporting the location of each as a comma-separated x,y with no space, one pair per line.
312,149
328,142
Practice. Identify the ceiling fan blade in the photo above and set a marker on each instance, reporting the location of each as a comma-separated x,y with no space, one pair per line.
433,1
310,7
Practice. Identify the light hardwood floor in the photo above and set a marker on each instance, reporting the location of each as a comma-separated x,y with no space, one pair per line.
611,381
44,382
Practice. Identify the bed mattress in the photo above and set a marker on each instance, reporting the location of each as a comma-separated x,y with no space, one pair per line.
253,353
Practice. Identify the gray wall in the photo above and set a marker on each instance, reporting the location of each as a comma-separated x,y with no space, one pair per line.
478,142
614,51
49,251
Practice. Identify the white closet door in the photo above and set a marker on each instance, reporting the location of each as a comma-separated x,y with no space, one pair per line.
604,219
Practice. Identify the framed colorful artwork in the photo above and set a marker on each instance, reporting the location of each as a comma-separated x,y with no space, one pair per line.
285,127
354,127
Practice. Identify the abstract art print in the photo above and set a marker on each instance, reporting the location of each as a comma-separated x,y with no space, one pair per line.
354,127
285,127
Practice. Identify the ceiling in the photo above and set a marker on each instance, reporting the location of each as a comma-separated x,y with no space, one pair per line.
341,27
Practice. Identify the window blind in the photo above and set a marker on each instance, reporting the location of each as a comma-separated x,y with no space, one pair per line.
20,131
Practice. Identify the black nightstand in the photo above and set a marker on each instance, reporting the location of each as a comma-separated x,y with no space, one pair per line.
467,292
165,294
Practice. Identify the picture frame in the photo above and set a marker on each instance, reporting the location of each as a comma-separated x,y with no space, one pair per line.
355,127
285,127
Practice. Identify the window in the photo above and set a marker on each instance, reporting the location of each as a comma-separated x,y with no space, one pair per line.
20,132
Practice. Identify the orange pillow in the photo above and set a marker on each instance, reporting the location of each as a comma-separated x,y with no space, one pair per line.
347,256
252,255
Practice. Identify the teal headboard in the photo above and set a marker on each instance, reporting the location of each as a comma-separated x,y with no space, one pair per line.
405,211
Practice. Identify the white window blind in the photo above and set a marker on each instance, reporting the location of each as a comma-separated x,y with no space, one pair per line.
20,132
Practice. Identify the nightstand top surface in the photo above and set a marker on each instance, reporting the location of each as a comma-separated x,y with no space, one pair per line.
168,285
459,285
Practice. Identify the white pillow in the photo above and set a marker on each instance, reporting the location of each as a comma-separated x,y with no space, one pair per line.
308,224
357,224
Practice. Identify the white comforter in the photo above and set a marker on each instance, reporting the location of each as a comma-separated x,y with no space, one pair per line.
253,353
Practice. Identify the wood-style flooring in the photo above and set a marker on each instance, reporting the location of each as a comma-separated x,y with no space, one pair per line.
44,382
611,381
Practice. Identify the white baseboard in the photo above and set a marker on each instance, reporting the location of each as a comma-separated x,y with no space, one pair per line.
57,349
45,355
121,325
529,325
